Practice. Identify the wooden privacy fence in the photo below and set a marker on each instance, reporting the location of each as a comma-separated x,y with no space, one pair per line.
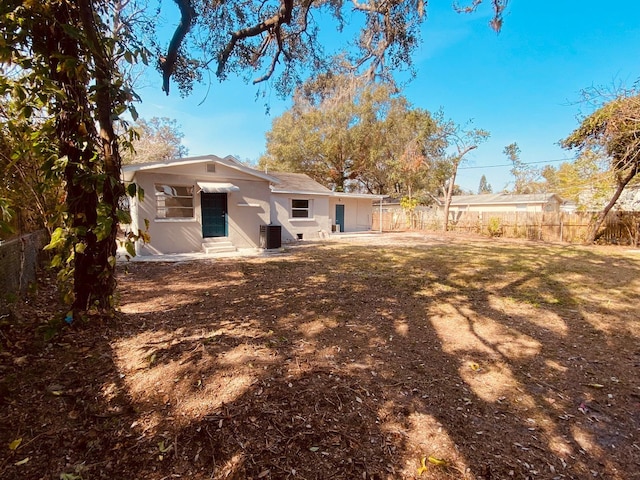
619,228
545,226
396,219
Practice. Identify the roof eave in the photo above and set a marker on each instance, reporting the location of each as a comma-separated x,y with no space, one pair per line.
301,192
129,171
358,195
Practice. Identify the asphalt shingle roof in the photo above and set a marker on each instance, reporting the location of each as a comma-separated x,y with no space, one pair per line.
297,182
501,198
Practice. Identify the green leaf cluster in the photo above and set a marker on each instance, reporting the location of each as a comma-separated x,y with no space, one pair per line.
63,87
354,136
612,131
280,41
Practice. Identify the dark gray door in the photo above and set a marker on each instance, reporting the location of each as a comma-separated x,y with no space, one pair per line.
214,214
340,216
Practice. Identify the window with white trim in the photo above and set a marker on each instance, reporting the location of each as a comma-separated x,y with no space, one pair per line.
174,201
300,208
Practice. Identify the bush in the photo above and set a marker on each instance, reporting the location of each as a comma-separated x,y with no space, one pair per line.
494,227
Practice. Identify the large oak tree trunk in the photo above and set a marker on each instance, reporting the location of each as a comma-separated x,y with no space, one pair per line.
112,186
92,169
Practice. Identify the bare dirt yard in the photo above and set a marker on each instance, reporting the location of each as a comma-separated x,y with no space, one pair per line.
389,357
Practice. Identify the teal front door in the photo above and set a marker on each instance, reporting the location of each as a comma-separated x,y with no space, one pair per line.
340,216
214,214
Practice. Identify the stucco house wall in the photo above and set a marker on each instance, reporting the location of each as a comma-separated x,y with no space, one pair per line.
315,227
321,220
358,212
248,205
167,235
531,208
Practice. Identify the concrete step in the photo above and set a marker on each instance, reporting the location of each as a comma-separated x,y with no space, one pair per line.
217,246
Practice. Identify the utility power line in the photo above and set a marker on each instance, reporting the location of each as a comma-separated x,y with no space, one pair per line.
511,164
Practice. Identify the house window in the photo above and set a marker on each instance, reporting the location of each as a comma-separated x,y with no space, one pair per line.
300,208
211,167
174,201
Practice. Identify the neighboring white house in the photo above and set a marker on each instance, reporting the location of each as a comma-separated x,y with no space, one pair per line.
211,203
505,202
594,200
629,200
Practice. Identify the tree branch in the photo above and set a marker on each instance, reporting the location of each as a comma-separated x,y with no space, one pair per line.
381,8
167,64
499,6
463,151
283,17
104,99
272,68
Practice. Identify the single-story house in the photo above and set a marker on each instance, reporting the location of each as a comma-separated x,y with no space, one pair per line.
208,203
504,202
306,209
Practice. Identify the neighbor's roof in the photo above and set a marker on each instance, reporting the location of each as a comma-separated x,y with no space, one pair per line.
503,199
129,171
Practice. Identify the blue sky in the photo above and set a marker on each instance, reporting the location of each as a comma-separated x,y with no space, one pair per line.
522,85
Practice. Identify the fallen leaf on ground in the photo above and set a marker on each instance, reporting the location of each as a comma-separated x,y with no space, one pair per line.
15,444
423,467
437,461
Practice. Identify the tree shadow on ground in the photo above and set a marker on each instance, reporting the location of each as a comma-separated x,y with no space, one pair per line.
358,362
547,342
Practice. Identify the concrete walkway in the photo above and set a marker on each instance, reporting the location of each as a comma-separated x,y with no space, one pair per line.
198,256
121,255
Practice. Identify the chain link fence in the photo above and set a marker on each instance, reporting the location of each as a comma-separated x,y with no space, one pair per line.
19,261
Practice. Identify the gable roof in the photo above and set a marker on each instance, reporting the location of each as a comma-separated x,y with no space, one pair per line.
298,183
303,184
503,199
129,171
